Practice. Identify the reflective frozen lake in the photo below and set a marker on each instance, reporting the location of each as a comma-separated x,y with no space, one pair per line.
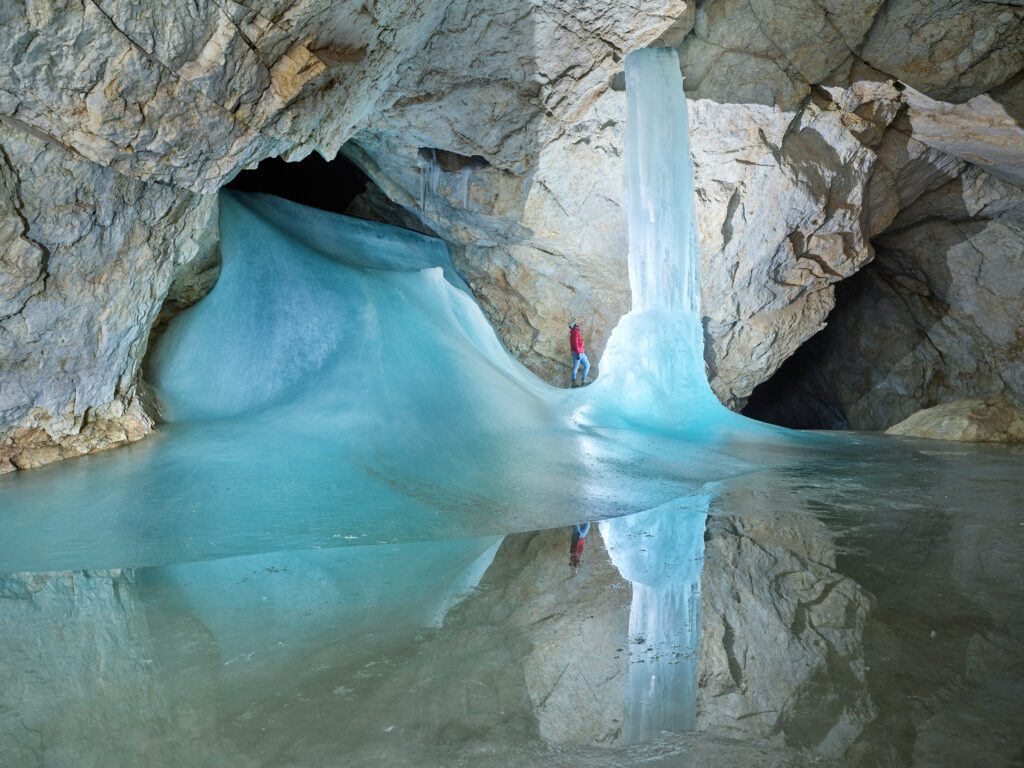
860,607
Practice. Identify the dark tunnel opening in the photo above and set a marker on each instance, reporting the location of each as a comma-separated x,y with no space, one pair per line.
798,395
330,185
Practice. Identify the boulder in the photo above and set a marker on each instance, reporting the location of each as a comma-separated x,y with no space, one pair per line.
989,420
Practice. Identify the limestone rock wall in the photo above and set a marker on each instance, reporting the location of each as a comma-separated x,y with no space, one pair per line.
821,133
935,317
93,254
845,127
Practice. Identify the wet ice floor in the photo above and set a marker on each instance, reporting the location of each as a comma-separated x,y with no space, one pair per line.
863,607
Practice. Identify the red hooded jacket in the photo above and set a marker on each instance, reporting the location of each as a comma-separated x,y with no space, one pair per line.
576,340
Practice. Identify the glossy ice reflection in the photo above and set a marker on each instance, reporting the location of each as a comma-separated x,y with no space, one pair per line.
846,621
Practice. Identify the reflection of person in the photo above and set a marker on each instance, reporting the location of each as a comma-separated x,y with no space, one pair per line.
579,538
578,355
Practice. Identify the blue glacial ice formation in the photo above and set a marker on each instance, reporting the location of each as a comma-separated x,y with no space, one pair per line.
340,386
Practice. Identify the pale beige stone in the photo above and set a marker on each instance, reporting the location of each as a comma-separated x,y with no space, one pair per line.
987,130
988,420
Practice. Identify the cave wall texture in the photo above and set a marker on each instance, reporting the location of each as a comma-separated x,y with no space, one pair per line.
878,141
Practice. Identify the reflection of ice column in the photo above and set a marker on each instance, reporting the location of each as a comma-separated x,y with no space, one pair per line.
661,552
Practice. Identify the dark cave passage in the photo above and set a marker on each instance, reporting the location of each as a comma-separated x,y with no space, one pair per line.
798,395
801,394
330,185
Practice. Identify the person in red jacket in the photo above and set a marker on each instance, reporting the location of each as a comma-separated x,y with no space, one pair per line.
576,543
578,355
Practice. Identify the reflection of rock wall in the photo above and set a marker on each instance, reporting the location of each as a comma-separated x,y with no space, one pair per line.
532,652
78,685
781,638
945,644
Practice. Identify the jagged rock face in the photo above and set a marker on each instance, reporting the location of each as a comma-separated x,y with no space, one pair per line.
780,196
93,254
498,126
951,49
935,317
186,95
826,167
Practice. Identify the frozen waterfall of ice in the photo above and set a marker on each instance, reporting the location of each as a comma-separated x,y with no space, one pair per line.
653,369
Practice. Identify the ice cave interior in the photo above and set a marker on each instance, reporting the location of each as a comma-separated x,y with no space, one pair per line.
347,543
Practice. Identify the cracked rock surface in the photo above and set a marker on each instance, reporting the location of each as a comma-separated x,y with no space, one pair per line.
823,134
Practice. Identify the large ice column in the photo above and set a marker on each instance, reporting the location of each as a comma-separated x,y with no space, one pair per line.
663,253
654,363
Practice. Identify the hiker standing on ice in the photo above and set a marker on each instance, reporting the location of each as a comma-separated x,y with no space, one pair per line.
578,355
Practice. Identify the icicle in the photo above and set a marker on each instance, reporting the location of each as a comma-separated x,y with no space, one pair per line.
663,253
423,182
464,174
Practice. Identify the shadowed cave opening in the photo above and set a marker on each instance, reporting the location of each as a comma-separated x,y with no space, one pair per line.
802,392
799,394
338,185
330,185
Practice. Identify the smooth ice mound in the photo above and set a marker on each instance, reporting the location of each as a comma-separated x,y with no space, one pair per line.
339,385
